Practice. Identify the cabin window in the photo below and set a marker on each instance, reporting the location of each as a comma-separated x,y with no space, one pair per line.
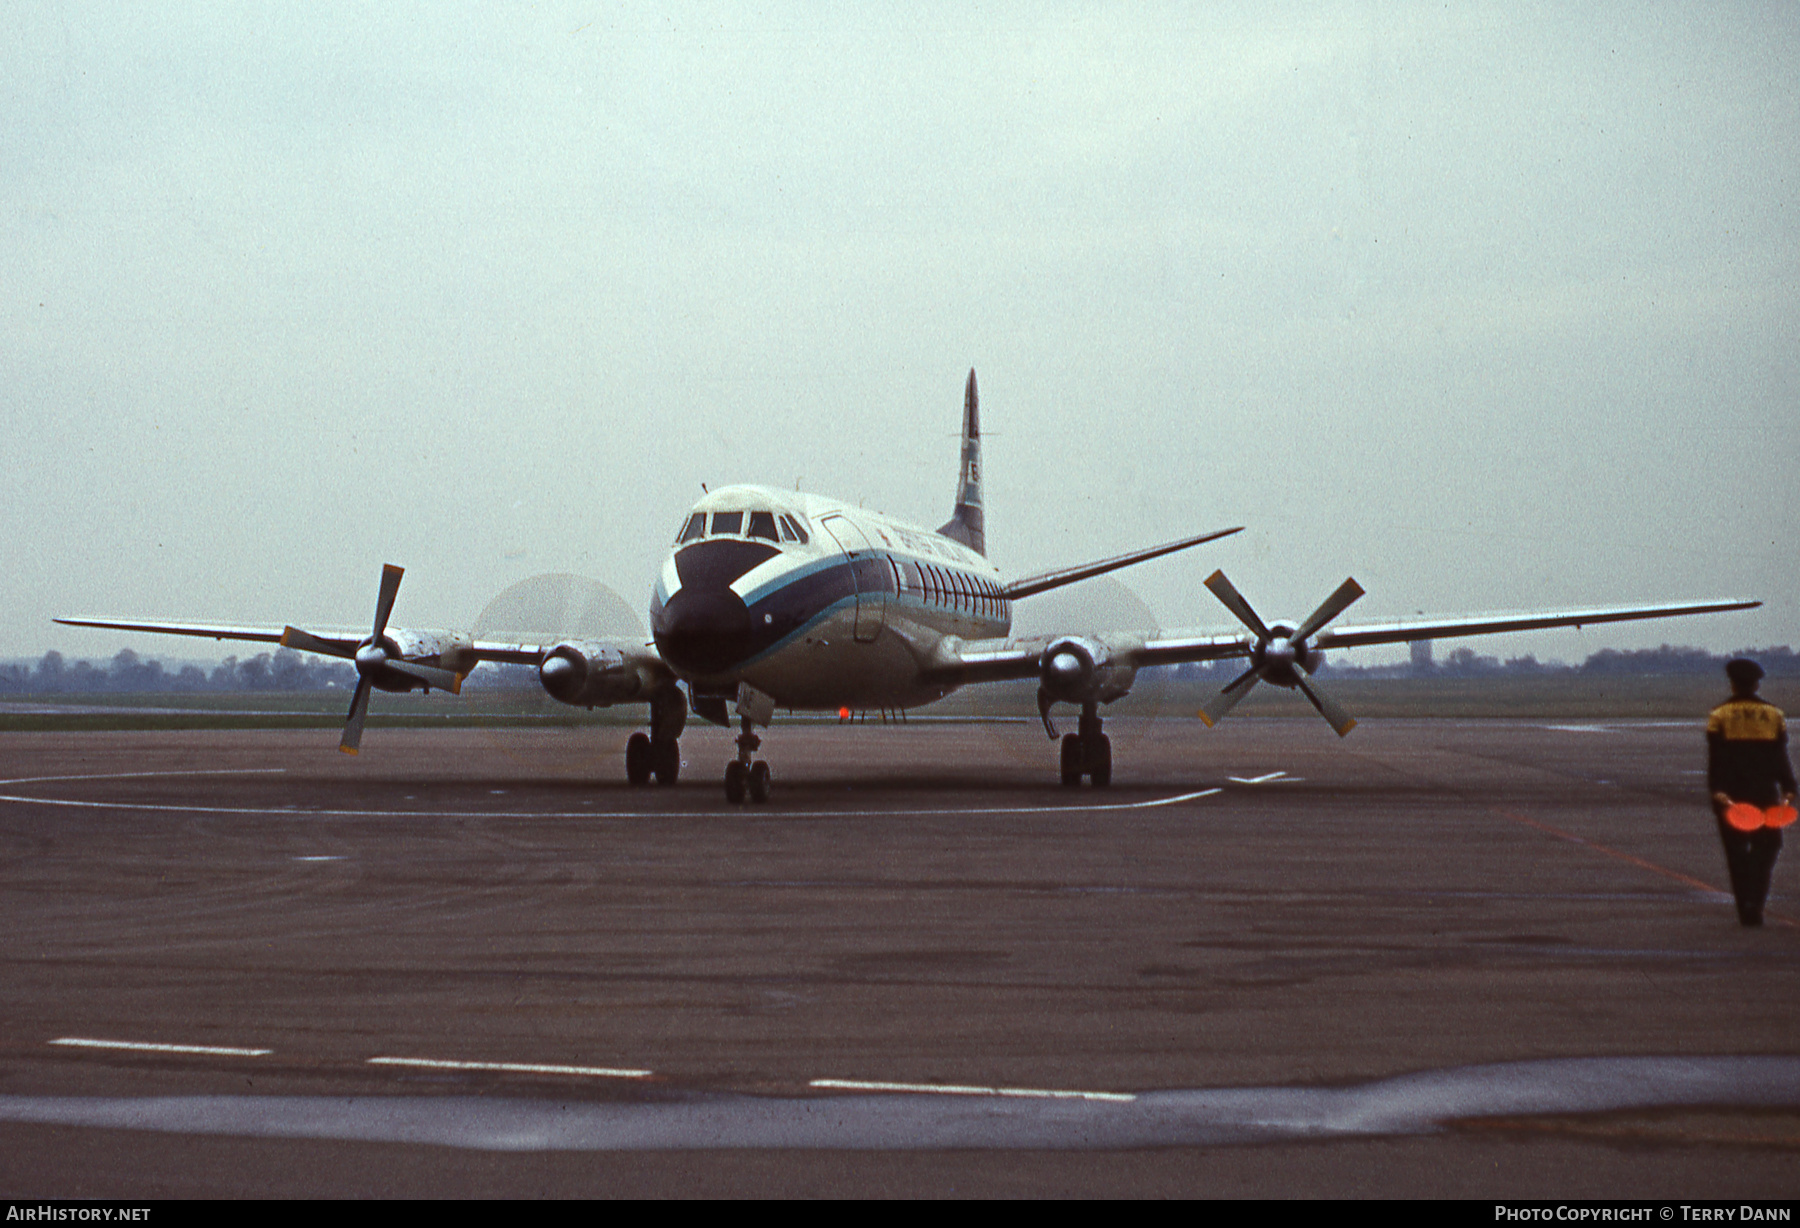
695,528
727,522
762,524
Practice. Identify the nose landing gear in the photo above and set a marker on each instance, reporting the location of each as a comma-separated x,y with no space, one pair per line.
748,776
745,776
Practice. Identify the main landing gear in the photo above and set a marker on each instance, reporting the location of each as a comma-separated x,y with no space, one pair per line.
658,753
747,776
646,757
1087,753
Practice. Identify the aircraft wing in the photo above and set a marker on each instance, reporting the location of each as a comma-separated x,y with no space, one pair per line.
975,661
1493,624
209,631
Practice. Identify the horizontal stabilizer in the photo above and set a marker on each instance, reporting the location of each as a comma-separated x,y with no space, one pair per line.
1048,580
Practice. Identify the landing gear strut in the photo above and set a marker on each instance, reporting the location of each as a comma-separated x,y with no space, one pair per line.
1087,753
746,774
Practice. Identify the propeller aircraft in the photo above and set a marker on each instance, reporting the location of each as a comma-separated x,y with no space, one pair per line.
770,599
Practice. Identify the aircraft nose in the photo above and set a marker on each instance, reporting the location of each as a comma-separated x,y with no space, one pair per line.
704,629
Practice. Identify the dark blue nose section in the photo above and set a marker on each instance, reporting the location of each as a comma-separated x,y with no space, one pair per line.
703,630
705,627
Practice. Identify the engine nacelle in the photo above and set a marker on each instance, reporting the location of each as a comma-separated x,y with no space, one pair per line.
1079,670
590,675
441,649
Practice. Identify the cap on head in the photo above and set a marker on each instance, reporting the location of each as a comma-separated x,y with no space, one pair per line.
1743,672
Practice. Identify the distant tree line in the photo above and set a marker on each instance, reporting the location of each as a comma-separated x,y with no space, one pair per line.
287,670
1780,662
284,670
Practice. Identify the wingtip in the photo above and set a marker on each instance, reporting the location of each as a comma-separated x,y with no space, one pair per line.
1205,719
349,750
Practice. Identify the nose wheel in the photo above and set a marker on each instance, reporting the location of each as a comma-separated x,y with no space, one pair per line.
746,777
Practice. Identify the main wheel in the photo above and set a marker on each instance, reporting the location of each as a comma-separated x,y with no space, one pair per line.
735,780
1071,759
1099,763
637,759
759,782
665,761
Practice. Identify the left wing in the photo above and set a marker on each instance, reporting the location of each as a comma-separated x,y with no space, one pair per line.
1100,668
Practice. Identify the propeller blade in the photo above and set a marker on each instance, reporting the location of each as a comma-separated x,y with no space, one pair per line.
305,641
1226,700
430,675
384,604
353,723
1339,719
1234,601
1336,604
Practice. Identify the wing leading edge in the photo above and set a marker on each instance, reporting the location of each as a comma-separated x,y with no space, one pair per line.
977,661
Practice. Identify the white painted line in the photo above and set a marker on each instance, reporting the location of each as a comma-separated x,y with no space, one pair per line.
951,1089
29,780
592,1072
735,812
145,1046
1256,780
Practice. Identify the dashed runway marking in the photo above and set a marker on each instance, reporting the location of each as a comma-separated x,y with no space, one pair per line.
145,1046
591,1072
952,1089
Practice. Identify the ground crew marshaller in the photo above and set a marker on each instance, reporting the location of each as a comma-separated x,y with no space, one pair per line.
1747,761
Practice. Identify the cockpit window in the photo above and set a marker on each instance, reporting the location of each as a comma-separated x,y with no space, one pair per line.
727,522
762,524
696,527
793,524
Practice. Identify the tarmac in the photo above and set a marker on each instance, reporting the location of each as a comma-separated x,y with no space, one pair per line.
1481,959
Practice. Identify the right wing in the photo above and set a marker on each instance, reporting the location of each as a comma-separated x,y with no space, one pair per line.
594,673
211,631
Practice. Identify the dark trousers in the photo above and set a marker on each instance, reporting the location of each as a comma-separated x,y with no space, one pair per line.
1750,855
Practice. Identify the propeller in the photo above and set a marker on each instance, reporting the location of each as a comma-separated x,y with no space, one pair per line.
546,609
374,657
1281,655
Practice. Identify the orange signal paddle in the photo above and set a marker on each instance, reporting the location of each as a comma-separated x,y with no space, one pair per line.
1744,816
1780,816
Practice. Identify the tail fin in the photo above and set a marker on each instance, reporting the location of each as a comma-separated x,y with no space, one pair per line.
966,524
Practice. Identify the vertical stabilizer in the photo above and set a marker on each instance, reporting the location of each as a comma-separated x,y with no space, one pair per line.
966,524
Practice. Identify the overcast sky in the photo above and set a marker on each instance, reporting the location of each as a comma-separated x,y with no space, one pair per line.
1489,307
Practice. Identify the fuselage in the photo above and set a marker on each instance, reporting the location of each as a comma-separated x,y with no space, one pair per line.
816,603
